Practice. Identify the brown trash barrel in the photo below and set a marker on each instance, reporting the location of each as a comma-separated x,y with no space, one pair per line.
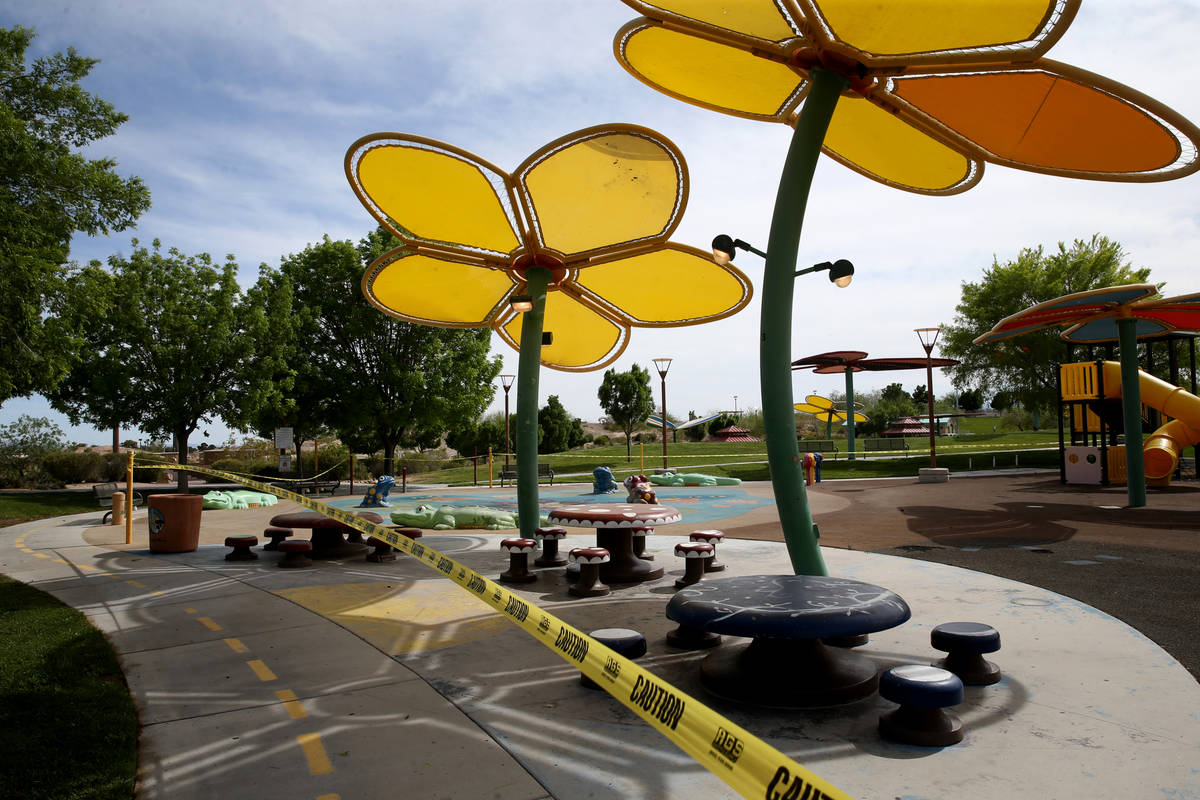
174,522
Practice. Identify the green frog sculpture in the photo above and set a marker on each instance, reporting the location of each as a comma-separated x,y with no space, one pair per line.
444,518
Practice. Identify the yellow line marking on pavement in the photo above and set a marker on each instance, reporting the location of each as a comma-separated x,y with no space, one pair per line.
261,670
190,610
62,561
157,593
237,645
41,555
209,623
137,585
110,575
26,550
314,751
86,567
330,797
291,703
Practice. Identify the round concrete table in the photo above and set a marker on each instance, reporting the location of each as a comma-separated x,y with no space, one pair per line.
330,538
614,526
785,665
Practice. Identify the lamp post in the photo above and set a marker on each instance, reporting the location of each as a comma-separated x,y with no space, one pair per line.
929,337
775,357
662,365
506,381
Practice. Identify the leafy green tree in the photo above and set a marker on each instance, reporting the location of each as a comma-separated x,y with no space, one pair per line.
920,394
895,391
23,445
1024,366
1002,401
720,423
556,426
971,400
477,437
185,345
696,432
48,192
379,383
627,400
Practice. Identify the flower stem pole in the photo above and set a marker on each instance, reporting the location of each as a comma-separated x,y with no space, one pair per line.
850,414
1131,405
528,372
775,347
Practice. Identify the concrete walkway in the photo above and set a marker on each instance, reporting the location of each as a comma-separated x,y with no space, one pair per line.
353,679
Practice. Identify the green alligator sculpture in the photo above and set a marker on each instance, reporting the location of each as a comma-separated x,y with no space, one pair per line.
693,479
444,518
238,498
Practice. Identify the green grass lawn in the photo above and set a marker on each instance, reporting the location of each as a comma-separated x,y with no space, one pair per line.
68,728
17,507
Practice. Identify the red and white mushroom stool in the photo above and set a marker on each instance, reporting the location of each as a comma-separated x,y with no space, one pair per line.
549,537
640,532
241,544
694,554
382,552
588,560
518,560
276,535
296,553
709,537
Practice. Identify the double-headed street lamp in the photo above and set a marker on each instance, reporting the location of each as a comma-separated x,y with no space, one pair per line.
929,337
662,365
506,381
841,272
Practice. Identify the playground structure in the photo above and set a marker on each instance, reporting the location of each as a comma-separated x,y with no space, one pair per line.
1090,398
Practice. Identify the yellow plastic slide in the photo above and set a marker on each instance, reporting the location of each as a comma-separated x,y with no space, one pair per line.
1161,450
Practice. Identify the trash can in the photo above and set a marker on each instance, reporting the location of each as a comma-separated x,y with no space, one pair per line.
174,521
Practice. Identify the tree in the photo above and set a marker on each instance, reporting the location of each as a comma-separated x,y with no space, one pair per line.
971,400
185,344
557,428
477,437
48,192
1024,365
23,444
627,400
920,394
895,392
721,422
379,383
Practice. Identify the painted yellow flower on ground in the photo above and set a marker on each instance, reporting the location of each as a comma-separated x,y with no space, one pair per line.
936,87
595,208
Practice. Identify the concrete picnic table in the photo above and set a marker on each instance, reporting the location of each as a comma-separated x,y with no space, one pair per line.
614,524
330,538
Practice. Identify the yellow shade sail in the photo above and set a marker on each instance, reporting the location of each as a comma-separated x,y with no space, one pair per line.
432,291
671,286
603,190
707,73
582,338
937,26
880,146
934,87
435,196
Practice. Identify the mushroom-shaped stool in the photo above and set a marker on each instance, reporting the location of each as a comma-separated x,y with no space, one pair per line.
382,552
589,560
241,544
924,693
709,537
518,560
694,554
549,537
965,643
623,641
276,535
296,553
640,532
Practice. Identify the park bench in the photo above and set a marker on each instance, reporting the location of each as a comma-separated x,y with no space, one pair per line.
104,493
544,471
818,446
886,443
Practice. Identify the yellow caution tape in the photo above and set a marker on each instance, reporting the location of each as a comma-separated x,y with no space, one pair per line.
746,763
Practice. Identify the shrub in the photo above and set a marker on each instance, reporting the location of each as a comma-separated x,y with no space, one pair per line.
602,441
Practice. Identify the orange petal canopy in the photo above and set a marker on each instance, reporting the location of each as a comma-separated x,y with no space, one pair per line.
1093,315
595,208
937,88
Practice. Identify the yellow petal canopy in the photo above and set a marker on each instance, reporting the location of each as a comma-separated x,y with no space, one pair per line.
937,87
595,208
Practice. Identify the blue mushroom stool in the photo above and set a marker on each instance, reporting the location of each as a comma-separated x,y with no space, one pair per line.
622,641
924,693
965,643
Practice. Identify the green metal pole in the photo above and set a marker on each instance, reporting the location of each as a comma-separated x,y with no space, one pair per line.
1131,405
850,414
775,347
528,372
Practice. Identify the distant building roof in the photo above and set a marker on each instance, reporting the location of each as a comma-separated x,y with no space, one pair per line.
907,426
733,434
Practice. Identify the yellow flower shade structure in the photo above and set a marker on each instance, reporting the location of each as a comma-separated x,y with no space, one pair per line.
593,209
934,89
916,95
578,233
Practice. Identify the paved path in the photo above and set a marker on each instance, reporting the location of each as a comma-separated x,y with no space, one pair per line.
374,680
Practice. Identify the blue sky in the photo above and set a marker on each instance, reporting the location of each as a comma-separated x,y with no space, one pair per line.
241,114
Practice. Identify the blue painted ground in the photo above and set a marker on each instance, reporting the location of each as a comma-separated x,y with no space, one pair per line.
699,504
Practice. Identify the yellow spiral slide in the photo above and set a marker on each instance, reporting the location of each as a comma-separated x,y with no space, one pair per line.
1161,450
